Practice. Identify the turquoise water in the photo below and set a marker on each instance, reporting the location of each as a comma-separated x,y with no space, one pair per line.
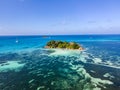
26,65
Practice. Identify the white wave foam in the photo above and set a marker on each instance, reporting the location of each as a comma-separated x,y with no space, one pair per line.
31,80
64,52
40,87
83,56
11,65
94,81
104,64
97,60
109,63
108,75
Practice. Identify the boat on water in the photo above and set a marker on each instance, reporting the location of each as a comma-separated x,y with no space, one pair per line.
16,41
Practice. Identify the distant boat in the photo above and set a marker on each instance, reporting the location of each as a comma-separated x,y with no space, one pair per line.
16,41
45,36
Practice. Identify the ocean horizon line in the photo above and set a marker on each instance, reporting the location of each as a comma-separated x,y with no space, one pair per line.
58,35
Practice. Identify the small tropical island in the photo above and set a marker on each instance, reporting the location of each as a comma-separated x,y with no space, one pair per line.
63,45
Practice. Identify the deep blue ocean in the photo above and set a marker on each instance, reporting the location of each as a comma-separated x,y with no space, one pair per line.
26,65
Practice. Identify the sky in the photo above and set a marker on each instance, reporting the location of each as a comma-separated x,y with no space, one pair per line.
59,17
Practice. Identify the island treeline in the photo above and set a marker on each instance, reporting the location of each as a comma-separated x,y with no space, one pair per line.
63,45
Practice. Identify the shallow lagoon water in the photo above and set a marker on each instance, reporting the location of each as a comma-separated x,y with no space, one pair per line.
28,66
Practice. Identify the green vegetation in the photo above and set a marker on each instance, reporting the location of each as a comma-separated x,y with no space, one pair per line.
64,45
